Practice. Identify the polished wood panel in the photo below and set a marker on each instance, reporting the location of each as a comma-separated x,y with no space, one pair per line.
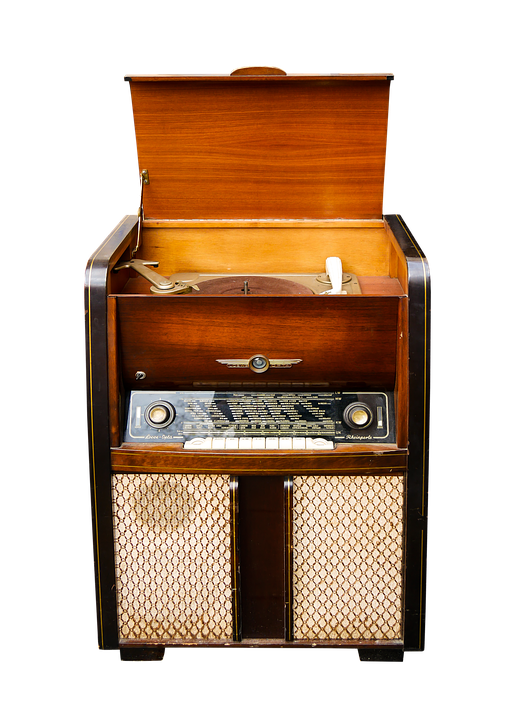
264,222
258,71
282,148
178,340
382,459
363,251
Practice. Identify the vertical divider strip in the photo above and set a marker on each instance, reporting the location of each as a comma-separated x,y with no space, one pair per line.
289,558
234,559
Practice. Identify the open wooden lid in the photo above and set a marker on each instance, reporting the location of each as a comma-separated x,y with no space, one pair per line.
260,144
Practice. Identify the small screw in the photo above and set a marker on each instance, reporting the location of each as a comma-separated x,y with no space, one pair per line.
140,375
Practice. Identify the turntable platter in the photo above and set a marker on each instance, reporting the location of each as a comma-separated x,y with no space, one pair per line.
251,285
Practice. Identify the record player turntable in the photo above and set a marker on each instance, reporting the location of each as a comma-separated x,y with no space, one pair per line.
258,376
332,282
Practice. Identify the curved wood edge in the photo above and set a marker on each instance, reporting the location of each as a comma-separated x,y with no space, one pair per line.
97,352
258,71
419,307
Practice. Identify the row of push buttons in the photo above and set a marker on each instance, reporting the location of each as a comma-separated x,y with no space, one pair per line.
259,443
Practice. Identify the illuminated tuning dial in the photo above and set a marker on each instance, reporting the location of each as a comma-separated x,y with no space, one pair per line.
357,416
159,414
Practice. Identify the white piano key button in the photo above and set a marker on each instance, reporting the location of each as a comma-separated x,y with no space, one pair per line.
319,444
259,443
199,444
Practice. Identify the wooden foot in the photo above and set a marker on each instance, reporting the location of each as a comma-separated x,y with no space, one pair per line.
381,655
142,653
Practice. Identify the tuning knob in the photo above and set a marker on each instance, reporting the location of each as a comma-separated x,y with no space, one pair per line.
357,415
159,414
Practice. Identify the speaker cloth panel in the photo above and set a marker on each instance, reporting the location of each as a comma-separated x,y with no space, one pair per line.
172,556
347,557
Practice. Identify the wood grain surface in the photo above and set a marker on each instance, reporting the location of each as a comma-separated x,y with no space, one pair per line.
273,147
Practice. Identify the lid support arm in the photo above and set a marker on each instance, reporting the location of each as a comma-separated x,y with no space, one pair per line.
145,180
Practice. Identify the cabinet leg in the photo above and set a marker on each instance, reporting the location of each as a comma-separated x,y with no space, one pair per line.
139,656
380,656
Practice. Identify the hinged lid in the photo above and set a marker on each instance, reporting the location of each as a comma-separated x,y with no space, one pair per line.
254,145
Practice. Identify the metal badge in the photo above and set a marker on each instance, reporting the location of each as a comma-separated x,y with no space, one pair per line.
259,363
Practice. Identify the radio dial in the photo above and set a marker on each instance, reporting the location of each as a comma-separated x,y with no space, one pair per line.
357,416
159,414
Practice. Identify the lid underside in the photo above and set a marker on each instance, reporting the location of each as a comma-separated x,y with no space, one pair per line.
279,147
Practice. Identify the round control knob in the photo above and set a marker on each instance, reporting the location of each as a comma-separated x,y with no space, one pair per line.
357,416
159,414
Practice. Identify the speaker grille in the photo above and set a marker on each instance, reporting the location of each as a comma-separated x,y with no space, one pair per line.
172,555
347,567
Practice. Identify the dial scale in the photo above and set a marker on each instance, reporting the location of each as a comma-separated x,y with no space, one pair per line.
179,416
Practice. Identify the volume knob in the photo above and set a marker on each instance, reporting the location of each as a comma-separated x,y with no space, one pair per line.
357,416
159,414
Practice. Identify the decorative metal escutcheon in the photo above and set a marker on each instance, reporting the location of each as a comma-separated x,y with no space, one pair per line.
259,363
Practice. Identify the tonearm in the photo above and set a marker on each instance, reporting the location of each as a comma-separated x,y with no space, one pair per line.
160,284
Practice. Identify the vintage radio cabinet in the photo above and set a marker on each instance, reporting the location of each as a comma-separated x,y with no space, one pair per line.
258,376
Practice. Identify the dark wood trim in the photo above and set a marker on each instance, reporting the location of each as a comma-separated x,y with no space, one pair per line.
234,554
381,459
336,77
419,323
96,288
289,558
262,557
268,643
